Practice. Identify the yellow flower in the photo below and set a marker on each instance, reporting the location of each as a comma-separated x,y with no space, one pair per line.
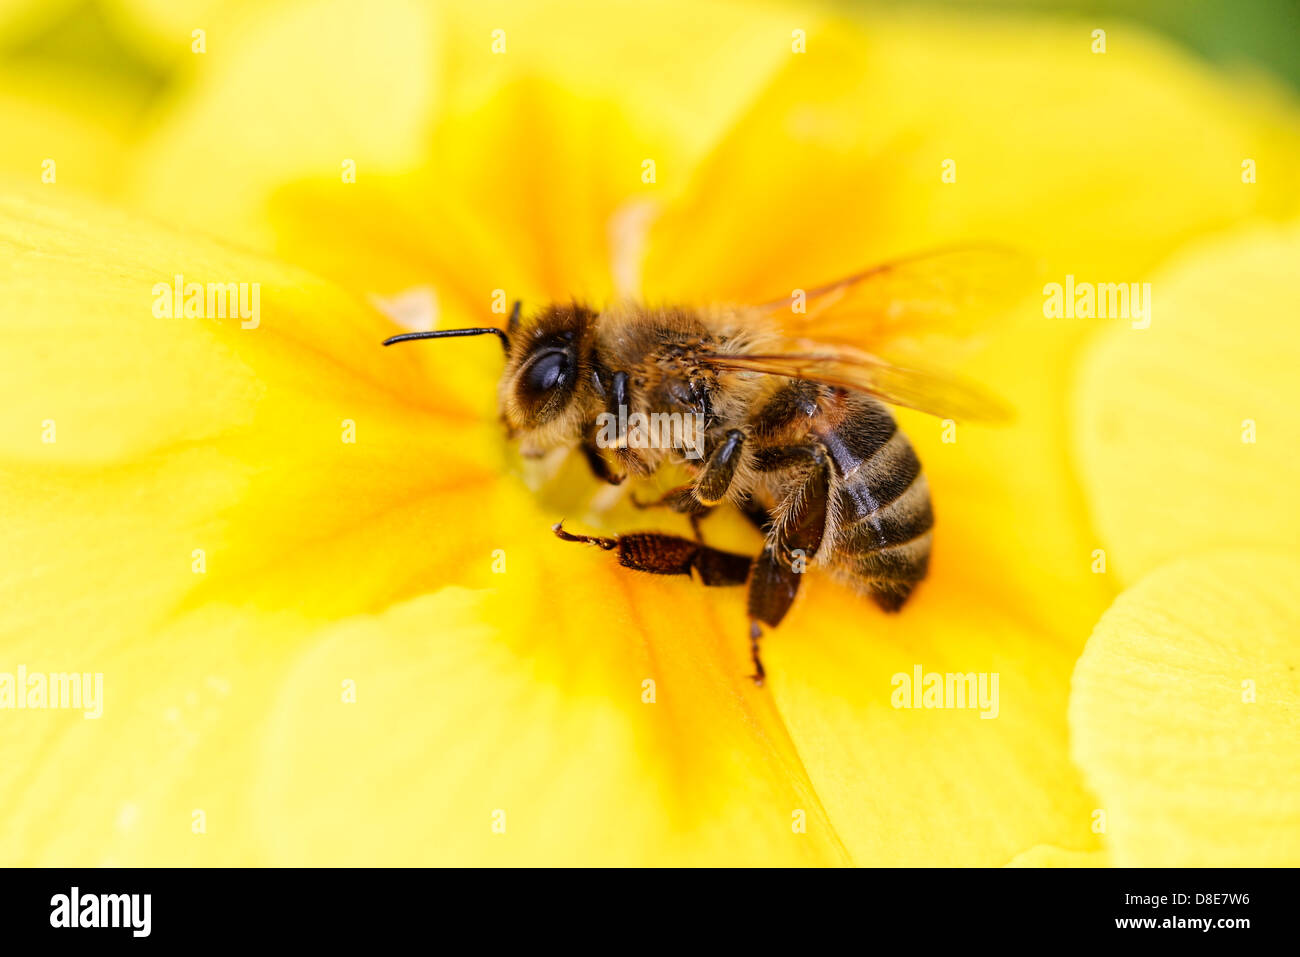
1183,714
308,656
1184,702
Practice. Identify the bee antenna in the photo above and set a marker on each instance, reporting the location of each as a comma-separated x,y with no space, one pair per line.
447,333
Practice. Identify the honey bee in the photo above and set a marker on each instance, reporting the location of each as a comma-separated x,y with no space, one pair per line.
792,424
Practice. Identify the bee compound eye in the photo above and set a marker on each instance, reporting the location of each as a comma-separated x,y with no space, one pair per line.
549,371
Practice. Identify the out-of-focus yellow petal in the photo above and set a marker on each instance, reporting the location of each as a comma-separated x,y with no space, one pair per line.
286,92
163,30
22,19
180,512
1086,161
1186,432
129,441
992,787
532,222
557,707
185,702
507,169
62,132
679,72
1045,855
1183,714
100,355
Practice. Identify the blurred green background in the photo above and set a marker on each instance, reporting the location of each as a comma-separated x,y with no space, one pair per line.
1265,33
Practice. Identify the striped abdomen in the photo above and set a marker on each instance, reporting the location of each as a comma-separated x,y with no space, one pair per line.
881,501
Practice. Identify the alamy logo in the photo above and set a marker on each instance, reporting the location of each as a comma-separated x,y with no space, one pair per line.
933,689
658,430
53,690
214,300
1105,300
102,910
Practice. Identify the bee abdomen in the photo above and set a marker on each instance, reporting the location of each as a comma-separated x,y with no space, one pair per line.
883,534
903,520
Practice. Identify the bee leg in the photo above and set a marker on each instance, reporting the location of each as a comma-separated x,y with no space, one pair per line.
669,555
683,501
773,585
599,465
796,533
714,480
632,462
760,673
758,516
709,489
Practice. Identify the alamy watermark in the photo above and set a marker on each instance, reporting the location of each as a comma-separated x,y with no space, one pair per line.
933,689
214,300
1104,300
52,690
129,911
657,430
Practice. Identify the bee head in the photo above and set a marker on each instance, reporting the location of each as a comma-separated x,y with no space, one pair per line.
546,362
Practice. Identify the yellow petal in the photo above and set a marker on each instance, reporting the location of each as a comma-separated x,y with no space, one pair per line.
1186,431
290,93
131,441
181,515
163,30
1045,855
539,228
846,146
163,775
1183,714
580,735
498,149
62,132
22,19
988,787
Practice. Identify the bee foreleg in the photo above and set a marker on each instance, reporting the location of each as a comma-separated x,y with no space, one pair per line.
669,555
709,489
683,501
599,465
715,479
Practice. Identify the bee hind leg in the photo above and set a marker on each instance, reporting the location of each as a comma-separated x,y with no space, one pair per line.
669,555
794,534
760,674
772,588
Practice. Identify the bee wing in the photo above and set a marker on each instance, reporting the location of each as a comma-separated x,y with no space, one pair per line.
933,303
882,330
846,368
